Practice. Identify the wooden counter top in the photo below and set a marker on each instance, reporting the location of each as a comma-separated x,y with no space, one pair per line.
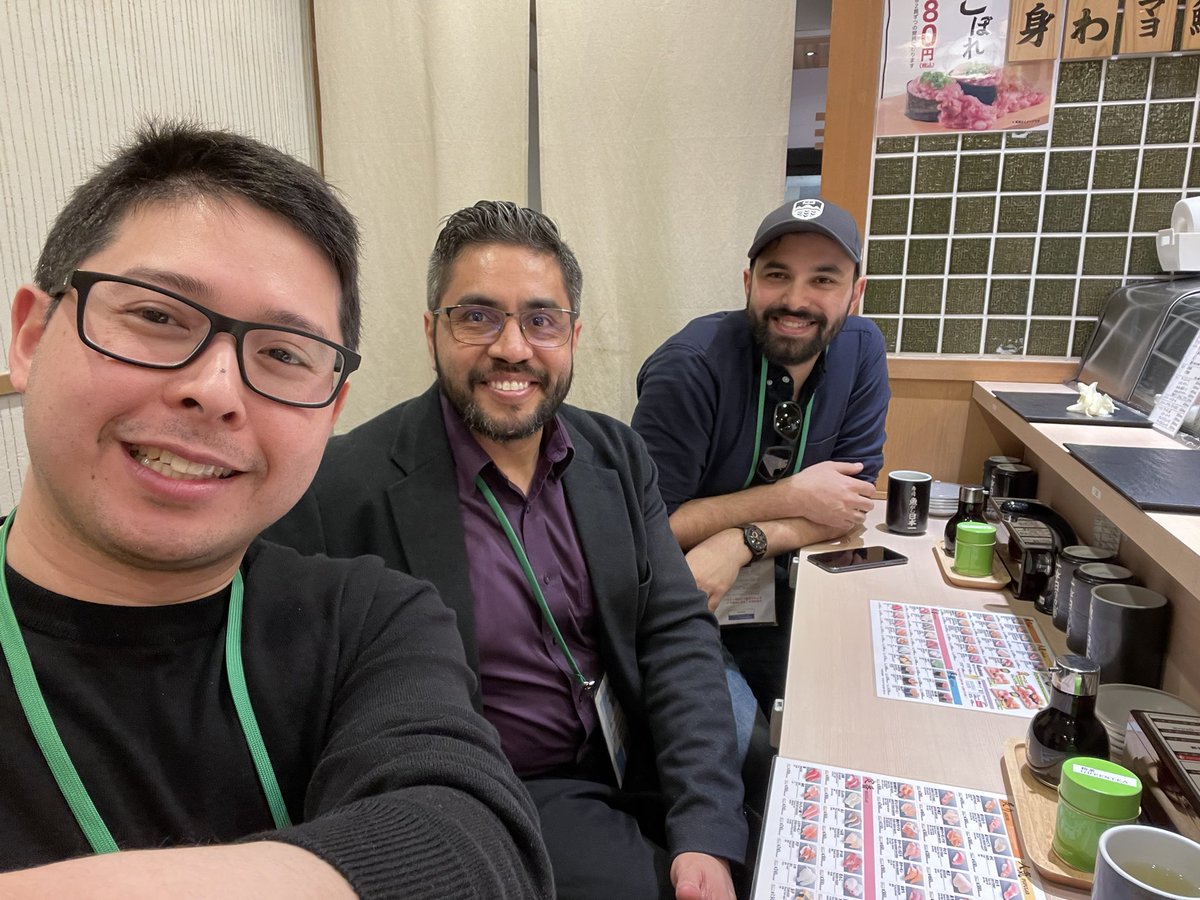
832,714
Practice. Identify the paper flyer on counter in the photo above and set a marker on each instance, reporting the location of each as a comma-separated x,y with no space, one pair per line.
947,67
836,833
991,661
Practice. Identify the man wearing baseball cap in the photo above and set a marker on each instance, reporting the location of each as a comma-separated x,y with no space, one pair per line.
767,426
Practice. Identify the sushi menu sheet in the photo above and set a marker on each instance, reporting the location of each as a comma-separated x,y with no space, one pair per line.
835,833
955,657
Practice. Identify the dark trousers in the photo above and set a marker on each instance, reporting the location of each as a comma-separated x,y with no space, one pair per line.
603,843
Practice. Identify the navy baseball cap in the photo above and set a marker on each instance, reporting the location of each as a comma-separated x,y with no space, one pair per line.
810,214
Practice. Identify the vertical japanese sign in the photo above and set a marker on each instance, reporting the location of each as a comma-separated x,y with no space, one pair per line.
968,65
1091,29
1149,26
1191,26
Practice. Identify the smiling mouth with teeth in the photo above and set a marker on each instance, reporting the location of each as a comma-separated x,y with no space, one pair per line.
164,462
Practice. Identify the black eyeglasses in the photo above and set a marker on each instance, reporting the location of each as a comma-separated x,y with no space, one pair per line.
146,325
545,327
787,421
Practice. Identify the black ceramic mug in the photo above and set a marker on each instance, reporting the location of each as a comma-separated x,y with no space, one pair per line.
908,501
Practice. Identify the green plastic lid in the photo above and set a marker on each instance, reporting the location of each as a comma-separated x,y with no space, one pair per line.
975,533
1100,788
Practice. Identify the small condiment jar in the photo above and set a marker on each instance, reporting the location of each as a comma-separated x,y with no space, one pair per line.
1093,796
973,547
971,500
1068,726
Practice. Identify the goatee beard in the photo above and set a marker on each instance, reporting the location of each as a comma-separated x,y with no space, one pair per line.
499,430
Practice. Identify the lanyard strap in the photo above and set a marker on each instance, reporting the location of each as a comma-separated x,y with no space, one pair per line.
523,559
55,753
798,454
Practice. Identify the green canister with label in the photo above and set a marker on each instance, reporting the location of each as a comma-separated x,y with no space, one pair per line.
1093,796
973,546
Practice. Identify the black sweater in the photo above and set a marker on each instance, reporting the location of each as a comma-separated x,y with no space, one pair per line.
356,675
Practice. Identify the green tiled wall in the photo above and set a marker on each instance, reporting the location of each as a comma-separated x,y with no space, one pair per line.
1010,243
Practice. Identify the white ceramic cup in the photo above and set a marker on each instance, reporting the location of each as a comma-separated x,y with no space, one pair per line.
1129,853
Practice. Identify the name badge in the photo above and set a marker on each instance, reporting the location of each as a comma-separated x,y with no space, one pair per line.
614,727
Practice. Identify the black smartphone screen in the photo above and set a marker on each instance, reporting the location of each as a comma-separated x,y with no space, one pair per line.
857,558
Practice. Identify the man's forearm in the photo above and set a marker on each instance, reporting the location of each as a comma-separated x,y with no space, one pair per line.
786,535
264,869
700,519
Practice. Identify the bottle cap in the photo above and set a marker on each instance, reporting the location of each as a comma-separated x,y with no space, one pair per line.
971,493
975,533
1100,788
1075,675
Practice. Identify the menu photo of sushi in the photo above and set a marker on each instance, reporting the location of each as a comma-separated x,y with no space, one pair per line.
866,835
995,662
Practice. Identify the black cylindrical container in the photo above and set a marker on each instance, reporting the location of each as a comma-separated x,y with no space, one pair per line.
971,500
1086,577
1068,727
1014,480
1068,561
989,467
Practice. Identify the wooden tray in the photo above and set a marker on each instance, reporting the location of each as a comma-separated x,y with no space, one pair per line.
1035,806
997,581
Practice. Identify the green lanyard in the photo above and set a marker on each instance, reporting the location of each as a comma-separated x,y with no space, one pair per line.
800,445
42,725
523,559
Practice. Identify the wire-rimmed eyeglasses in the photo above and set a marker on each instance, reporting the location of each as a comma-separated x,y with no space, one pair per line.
787,421
146,325
546,327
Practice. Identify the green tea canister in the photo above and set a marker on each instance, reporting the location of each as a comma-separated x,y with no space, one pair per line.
1093,796
973,546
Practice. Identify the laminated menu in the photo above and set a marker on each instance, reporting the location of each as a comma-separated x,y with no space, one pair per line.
955,657
836,833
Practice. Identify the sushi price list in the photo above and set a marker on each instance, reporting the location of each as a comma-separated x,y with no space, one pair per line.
836,833
991,661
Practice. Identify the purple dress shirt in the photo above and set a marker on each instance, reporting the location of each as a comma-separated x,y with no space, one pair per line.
530,693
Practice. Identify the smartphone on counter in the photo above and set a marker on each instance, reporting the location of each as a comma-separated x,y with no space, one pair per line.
857,558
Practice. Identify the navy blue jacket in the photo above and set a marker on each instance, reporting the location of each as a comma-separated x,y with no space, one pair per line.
698,404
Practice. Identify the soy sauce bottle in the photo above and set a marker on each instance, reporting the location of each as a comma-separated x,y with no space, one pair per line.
1068,727
971,500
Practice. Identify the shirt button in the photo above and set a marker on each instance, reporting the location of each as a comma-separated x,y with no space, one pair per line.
770,381
786,380
546,579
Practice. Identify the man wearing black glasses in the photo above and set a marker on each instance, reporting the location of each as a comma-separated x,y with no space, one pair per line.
236,720
542,526
767,424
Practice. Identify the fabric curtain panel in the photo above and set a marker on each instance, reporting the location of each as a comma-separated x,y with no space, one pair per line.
663,143
424,109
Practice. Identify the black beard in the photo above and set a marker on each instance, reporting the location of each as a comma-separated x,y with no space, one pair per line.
493,429
781,351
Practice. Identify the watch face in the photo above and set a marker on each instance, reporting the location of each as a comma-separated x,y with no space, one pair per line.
755,539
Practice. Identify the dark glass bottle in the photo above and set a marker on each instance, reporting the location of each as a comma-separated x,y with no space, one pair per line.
971,500
1068,727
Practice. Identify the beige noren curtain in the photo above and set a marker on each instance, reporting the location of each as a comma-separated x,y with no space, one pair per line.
662,142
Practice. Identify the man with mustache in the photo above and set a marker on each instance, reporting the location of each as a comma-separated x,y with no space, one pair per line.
767,425
542,526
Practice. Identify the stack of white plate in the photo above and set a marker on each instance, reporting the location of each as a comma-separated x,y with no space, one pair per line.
1114,701
943,499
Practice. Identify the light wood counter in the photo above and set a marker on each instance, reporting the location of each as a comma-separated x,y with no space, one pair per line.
1163,549
832,714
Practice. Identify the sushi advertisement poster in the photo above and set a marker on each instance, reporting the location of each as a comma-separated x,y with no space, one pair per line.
947,68
835,833
990,661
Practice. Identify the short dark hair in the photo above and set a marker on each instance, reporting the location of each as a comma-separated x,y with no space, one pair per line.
499,222
176,161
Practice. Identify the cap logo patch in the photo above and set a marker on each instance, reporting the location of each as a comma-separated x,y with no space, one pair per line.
807,209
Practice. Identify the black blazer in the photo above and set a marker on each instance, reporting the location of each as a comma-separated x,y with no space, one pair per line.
388,488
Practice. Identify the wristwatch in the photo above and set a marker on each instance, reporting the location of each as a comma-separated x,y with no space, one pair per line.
756,541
